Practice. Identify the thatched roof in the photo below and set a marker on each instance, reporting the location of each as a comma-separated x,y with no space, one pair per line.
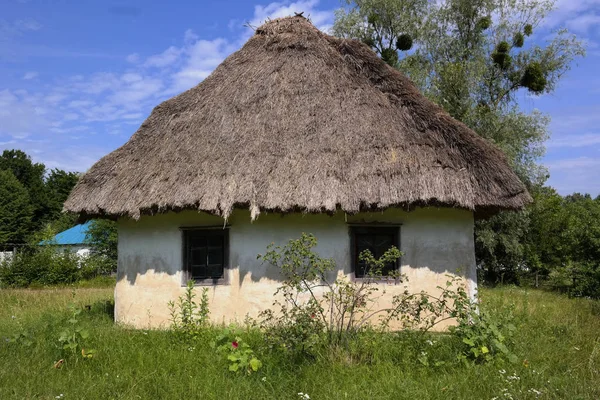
298,120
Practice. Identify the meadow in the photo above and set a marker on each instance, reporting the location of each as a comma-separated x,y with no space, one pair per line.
557,342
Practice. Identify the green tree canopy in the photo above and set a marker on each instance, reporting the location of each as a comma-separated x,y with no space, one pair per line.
102,235
31,176
15,210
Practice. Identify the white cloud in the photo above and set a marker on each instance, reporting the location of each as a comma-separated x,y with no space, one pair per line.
203,57
321,19
583,23
30,75
579,174
19,116
574,140
133,58
28,25
18,27
574,163
164,59
577,15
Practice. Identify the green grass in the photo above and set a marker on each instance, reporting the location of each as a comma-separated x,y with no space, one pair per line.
559,338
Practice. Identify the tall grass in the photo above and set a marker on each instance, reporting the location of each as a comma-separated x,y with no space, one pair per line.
558,343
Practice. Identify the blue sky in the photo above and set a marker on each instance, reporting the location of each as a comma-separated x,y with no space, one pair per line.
78,77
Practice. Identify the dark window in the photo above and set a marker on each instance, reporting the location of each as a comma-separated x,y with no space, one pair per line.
205,253
377,240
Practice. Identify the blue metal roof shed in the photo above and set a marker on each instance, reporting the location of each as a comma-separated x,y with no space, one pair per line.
74,236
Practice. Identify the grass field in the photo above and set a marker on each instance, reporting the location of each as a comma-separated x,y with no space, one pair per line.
558,344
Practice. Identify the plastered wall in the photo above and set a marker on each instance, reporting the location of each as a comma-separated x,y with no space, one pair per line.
435,242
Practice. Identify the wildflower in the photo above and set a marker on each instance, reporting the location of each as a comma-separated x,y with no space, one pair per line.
502,371
234,344
264,379
313,315
13,317
526,363
304,396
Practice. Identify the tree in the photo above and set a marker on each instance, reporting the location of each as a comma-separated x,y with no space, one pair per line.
102,236
15,210
59,184
31,176
472,57
563,241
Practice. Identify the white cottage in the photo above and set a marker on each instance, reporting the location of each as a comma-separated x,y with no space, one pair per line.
296,132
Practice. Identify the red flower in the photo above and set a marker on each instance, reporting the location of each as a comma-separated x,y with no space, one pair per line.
313,316
234,344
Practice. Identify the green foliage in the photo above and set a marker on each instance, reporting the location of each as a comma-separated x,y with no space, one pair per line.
41,198
486,336
484,23
73,336
317,313
240,356
569,257
385,26
390,56
189,319
534,78
59,184
15,210
503,47
404,42
422,311
502,60
102,236
31,176
518,40
40,265
528,30
315,308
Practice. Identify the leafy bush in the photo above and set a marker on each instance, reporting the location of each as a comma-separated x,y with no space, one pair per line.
239,354
485,336
188,318
73,335
40,266
314,308
315,313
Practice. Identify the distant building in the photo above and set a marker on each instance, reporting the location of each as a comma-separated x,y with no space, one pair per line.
72,240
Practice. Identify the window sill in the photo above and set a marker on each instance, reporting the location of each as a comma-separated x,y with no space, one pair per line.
208,282
376,280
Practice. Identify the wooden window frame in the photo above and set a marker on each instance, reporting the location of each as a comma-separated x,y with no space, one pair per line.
394,229
209,230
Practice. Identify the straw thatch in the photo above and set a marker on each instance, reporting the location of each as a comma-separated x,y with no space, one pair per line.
298,120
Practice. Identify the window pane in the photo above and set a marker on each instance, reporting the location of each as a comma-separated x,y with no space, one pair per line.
215,255
377,241
215,241
205,253
198,256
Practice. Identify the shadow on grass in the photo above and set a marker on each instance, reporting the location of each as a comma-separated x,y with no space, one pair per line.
102,308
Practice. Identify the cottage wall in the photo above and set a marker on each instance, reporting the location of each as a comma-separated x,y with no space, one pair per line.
435,242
